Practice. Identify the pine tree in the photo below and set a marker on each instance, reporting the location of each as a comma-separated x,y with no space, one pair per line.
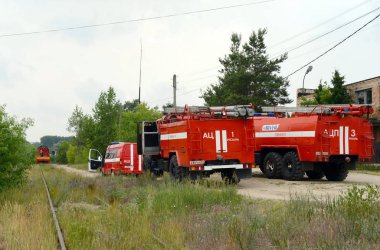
248,75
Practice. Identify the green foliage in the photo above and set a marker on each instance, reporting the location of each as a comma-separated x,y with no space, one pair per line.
16,154
50,140
323,93
249,75
339,93
335,93
62,150
142,112
71,154
110,121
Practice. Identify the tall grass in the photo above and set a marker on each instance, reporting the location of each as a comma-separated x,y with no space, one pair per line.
146,213
122,212
25,220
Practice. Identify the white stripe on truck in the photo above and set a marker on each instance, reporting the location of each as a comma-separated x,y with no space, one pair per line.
217,141
174,136
346,142
341,150
285,134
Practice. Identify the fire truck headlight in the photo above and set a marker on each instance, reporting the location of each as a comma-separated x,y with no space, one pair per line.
347,159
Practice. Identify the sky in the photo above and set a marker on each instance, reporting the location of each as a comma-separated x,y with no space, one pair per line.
44,76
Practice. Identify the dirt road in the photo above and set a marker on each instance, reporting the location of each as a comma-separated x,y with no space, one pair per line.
261,187
80,172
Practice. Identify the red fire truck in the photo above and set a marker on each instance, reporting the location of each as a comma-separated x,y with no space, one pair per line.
198,141
120,158
321,141
43,154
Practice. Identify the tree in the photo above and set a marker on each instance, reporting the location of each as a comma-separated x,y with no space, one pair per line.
339,93
336,94
323,93
249,75
131,118
62,150
107,117
16,154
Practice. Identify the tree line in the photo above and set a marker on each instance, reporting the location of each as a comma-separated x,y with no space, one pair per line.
109,121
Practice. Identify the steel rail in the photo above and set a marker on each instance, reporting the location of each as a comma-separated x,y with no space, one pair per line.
55,218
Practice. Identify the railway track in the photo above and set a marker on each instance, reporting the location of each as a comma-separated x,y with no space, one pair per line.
61,239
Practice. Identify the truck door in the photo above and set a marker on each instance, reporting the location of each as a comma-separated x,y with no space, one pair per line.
95,160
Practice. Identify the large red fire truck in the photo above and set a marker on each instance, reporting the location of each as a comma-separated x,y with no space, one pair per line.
198,141
321,141
43,154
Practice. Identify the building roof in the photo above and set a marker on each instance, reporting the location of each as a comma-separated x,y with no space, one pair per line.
363,80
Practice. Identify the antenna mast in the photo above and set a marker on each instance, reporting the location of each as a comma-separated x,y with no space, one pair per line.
140,71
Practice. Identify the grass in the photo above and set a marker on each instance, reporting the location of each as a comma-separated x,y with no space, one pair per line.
146,213
82,166
373,169
25,219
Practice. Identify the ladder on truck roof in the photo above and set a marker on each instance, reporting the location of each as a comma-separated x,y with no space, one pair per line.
350,109
233,111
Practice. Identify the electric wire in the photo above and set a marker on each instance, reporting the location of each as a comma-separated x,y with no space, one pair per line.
137,20
327,33
318,25
336,45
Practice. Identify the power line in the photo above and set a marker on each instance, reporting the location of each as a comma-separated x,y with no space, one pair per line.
138,19
318,25
329,32
336,45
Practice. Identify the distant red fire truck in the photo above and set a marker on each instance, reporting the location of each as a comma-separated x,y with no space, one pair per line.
198,141
120,158
43,155
319,141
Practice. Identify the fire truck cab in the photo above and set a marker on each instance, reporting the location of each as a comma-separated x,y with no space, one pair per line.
198,141
120,158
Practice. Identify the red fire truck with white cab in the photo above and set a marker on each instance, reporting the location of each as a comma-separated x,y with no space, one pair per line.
120,158
195,142
319,141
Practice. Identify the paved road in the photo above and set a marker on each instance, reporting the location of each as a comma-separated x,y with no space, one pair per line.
261,187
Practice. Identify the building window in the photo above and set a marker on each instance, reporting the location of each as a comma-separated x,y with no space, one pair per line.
364,96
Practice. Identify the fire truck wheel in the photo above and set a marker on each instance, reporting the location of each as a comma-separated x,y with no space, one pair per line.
272,165
292,167
336,172
176,172
315,175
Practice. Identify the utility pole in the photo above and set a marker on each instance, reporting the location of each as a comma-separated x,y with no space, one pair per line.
175,91
140,71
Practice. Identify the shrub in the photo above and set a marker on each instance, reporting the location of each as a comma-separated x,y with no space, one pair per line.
16,154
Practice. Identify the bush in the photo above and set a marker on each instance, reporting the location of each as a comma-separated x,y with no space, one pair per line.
62,150
71,154
16,153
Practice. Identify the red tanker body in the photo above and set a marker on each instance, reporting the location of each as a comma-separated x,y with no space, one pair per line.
43,155
120,158
326,142
198,141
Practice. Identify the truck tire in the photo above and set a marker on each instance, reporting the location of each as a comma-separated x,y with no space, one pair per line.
315,175
272,165
336,172
292,167
176,172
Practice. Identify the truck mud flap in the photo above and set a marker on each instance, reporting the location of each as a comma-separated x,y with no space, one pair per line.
244,173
